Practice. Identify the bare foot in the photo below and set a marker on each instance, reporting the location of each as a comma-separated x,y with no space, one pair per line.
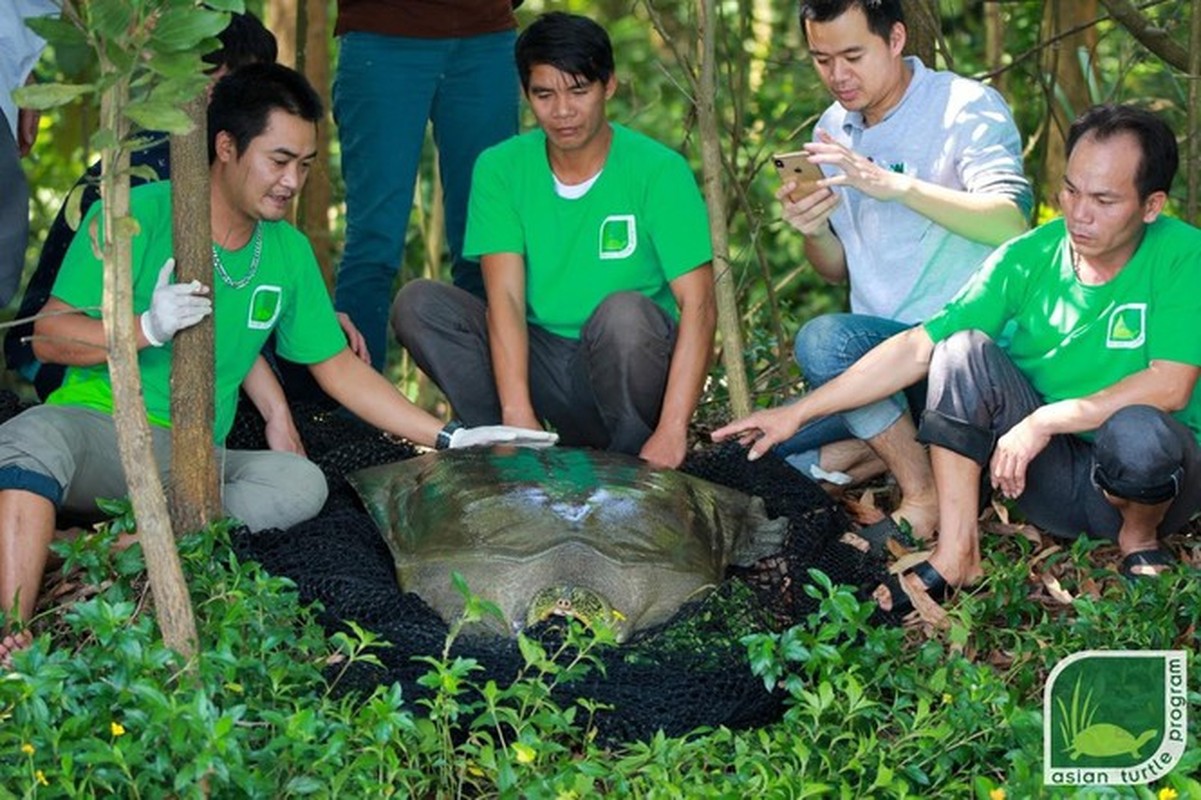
921,517
11,643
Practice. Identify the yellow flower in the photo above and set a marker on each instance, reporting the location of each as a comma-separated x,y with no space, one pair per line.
525,753
946,697
1167,793
41,776
28,749
996,794
118,729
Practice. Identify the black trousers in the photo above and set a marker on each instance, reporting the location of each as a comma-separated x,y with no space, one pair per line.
976,394
603,390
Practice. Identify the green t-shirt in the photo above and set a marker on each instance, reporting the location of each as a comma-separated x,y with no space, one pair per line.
640,226
287,295
1071,340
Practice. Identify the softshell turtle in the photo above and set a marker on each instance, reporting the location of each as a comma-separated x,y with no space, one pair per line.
561,531
1104,739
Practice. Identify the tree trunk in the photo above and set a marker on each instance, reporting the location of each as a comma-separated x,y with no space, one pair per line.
994,45
728,318
172,605
315,201
195,490
1193,155
1064,64
922,25
280,17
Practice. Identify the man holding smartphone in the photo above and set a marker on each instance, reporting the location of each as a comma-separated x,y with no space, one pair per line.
594,246
924,179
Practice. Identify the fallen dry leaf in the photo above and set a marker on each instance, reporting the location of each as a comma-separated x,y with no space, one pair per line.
863,510
1001,510
1043,554
1056,590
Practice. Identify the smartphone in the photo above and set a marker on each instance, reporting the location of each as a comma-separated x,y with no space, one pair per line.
797,167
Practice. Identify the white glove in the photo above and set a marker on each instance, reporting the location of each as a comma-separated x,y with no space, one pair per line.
173,307
501,434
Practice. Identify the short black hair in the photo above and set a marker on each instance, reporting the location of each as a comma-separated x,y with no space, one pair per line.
881,14
568,42
1160,156
244,99
244,41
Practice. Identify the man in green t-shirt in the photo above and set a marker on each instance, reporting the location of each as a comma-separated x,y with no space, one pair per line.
594,246
262,139
1087,413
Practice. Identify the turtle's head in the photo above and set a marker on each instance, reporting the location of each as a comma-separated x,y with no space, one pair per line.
565,600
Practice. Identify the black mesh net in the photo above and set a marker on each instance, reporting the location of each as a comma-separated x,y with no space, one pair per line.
691,672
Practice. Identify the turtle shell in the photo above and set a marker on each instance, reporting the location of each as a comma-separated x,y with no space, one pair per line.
515,520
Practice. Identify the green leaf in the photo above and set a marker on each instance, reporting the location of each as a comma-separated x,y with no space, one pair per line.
127,227
232,6
177,65
104,140
109,19
73,206
183,28
56,31
42,96
159,117
145,172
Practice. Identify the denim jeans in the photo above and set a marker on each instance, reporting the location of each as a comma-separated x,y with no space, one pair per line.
603,390
825,347
385,91
14,214
1140,453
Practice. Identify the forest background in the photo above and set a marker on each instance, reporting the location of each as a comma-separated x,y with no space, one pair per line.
1049,59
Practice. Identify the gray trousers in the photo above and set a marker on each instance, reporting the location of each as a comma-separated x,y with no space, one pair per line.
14,214
604,390
976,394
69,456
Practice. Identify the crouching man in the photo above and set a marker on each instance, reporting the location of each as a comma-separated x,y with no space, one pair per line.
262,128
1067,368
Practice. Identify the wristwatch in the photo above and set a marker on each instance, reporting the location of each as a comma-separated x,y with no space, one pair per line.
443,439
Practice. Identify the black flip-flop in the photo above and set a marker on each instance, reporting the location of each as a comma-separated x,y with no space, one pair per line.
932,580
878,534
1151,559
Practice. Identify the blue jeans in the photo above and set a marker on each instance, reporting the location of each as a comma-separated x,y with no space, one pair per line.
825,347
385,90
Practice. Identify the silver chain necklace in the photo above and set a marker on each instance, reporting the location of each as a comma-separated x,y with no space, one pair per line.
254,261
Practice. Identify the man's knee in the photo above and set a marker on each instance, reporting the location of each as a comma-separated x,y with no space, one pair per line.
959,350
276,490
1139,455
627,321
815,344
828,345
411,304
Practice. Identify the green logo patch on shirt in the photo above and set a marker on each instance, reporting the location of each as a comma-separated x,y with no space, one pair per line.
1127,327
265,305
618,236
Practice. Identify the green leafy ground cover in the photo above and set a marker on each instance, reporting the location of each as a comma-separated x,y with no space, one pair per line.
97,707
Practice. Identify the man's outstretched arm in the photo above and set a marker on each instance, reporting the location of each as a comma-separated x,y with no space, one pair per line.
894,364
